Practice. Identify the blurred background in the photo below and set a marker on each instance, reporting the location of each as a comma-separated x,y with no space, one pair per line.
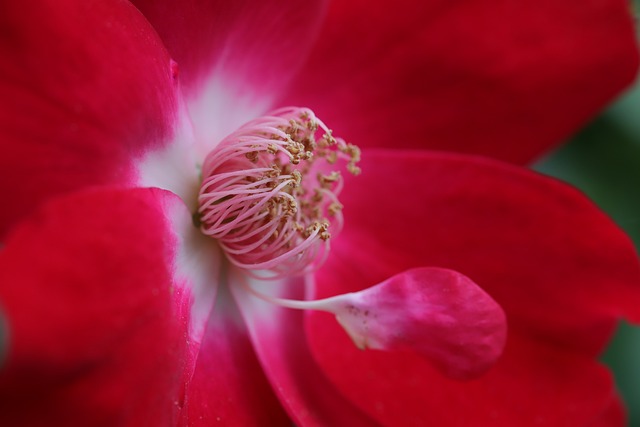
603,160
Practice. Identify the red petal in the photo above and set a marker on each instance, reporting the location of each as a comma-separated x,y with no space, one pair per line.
222,380
613,416
228,386
528,240
279,339
561,270
87,87
95,336
507,79
234,57
531,385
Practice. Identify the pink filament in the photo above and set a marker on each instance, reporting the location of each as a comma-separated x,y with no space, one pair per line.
264,198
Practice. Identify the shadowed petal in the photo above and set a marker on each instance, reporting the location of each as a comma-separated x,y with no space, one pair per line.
99,304
531,385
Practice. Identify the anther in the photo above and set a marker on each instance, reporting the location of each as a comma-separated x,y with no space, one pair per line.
268,192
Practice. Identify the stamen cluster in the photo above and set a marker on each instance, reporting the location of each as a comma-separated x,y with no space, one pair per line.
269,192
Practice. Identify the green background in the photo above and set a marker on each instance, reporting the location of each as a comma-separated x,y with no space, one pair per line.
604,161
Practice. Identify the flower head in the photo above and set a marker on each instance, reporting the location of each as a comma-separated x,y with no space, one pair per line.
164,241
266,200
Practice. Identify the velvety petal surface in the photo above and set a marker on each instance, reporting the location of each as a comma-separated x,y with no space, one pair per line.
228,386
99,306
86,88
234,57
530,241
507,79
614,415
560,269
279,339
531,385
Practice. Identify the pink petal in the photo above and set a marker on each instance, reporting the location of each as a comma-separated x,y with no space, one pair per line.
507,79
234,57
279,339
437,313
87,88
98,312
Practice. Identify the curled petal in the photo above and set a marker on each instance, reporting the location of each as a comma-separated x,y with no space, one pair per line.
98,291
439,314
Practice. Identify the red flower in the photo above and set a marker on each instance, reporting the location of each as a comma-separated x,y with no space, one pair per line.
120,312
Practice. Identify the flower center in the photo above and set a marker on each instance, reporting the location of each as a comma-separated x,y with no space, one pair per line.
269,193
269,196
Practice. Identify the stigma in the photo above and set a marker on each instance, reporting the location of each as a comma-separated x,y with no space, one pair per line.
269,193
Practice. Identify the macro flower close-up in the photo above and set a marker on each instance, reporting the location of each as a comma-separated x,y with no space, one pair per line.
318,213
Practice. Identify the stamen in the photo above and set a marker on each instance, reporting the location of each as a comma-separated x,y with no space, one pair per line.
269,193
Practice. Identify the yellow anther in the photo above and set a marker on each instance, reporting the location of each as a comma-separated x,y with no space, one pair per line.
272,148
353,169
334,208
252,156
317,195
326,180
291,207
294,147
353,151
274,172
312,125
329,138
297,178
324,231
331,157
310,144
